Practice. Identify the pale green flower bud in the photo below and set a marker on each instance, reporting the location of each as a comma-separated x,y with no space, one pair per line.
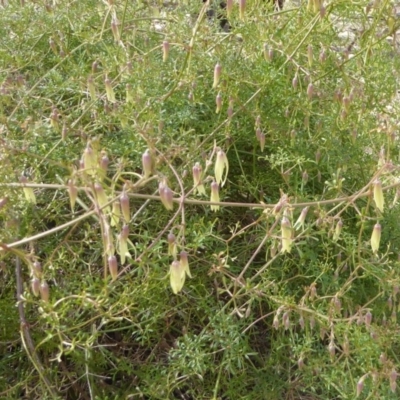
115,30
197,179
89,160
101,197
123,244
217,75
221,163
338,230
109,90
286,238
310,91
392,380
229,7
218,102
124,202
35,286
310,55
376,237
177,276
301,220
165,48
147,163
166,196
113,267
172,248
185,263
242,9
214,196
44,291
91,88
378,195
73,193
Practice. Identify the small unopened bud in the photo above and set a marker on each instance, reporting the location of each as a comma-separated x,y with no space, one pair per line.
322,56
268,52
172,248
313,291
28,192
376,237
346,103
37,269
221,164
360,385
166,196
378,195
95,66
275,322
177,276
301,322
300,363
185,263
165,49
89,160
53,46
310,55
304,177
261,139
123,244
332,349
310,91
35,286
217,75
109,90
242,9
44,291
392,380
295,82
147,164
338,230
115,213
218,102
286,320
197,179
113,267
286,238
214,196
124,201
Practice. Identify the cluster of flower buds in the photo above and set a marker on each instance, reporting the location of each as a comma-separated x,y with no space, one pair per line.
38,285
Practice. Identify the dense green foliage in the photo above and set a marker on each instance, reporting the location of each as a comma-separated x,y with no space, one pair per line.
318,321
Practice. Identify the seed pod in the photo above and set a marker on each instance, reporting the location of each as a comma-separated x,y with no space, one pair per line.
35,286
197,179
113,267
376,237
166,196
378,195
214,196
217,75
221,163
242,9
44,291
218,102
147,164
28,192
286,238
177,276
124,201
185,263
109,90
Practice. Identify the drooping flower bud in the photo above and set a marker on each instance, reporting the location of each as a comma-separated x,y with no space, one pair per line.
218,103
376,237
242,9
52,45
332,348
286,320
109,90
221,163
214,196
115,213
261,139
101,197
166,196
268,52
338,230
37,269
217,75
123,244
295,82
368,319
28,192
378,195
147,163
360,385
115,30
197,179
124,201
165,48
286,238
89,160
35,286
91,87
172,248
310,91
185,263
103,164
177,276
44,291
301,220
113,267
